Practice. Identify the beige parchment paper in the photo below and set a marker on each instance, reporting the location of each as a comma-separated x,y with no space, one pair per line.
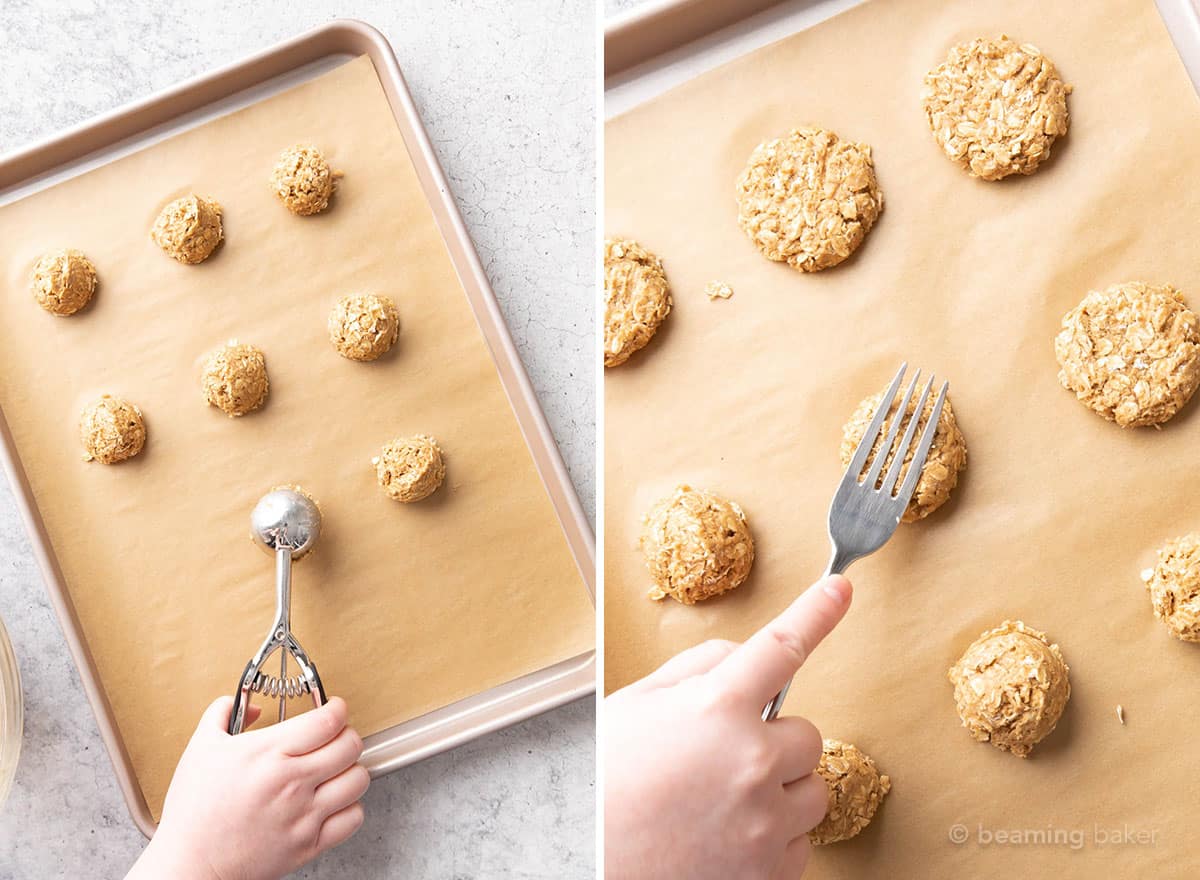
1058,510
404,608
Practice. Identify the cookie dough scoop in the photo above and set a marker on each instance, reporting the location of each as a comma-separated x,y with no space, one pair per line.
285,523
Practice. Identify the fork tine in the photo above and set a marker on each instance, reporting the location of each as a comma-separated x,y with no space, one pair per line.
893,430
918,462
868,439
893,474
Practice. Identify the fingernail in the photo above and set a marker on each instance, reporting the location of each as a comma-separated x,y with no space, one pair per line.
837,588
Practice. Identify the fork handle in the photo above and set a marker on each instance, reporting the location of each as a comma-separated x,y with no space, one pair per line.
837,565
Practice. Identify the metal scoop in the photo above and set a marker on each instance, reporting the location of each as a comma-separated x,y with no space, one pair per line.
287,523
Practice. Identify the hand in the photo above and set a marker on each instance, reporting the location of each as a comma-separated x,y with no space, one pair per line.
258,805
696,785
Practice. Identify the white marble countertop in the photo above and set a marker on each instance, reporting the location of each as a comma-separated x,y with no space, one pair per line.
506,90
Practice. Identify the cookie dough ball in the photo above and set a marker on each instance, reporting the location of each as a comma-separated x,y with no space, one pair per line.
946,460
697,545
303,180
1131,353
996,107
111,430
1010,687
637,299
1174,585
188,229
808,198
410,468
234,378
364,326
63,282
856,789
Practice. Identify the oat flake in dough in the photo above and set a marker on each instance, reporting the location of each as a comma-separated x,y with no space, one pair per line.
808,198
1131,353
364,326
696,545
188,229
856,789
410,468
637,299
1010,687
996,107
234,378
1174,587
111,430
63,282
946,460
303,181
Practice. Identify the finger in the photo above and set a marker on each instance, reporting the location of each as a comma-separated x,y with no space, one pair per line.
340,827
769,658
795,859
798,744
807,801
217,716
342,790
333,757
303,733
696,660
252,713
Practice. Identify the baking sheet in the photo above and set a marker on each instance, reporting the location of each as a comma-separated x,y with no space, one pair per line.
1058,510
404,608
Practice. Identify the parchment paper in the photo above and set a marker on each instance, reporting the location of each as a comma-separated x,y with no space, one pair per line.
404,608
1058,511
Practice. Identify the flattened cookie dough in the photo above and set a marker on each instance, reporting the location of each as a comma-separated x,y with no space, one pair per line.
111,430
410,468
946,460
63,282
637,299
188,229
856,789
1174,586
996,107
234,378
1010,687
697,545
303,180
808,198
364,326
1131,353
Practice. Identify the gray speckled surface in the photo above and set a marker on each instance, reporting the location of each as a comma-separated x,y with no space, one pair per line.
506,91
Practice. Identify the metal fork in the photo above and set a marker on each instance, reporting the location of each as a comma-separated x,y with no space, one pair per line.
863,515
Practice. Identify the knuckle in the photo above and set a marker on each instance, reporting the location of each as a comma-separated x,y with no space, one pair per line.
712,700
792,644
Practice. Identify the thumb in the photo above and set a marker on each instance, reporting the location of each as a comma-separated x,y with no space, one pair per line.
216,716
769,658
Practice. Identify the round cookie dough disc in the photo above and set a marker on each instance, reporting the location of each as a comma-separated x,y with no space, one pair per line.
1174,586
364,326
1131,353
63,282
111,430
808,198
637,299
856,789
303,180
1010,687
996,107
946,460
410,468
188,229
697,545
234,378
